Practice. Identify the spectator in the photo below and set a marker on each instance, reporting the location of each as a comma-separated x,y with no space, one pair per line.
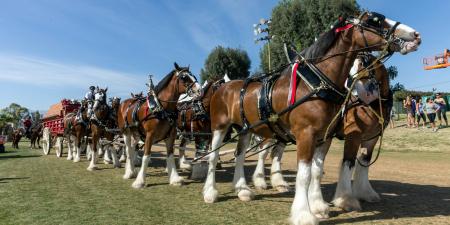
407,104
441,112
2,142
392,122
430,108
420,113
413,112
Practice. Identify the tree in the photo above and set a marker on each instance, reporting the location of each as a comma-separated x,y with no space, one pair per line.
12,114
392,72
221,61
397,87
36,116
299,22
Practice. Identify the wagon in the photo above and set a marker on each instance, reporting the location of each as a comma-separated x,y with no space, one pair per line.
53,123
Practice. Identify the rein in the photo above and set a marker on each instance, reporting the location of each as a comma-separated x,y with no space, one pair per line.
381,121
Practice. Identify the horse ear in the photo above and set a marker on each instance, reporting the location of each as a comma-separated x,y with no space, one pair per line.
176,66
106,89
189,66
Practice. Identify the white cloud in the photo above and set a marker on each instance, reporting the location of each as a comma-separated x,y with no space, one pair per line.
201,24
48,73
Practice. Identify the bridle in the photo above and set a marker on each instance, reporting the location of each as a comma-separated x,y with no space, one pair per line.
101,100
373,25
183,74
366,61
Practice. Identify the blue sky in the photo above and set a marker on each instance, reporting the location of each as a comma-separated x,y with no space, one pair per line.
54,49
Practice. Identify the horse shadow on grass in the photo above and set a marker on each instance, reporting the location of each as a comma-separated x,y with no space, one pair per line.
18,156
5,180
398,199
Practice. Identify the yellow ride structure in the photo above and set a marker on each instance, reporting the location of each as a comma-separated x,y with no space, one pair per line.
438,61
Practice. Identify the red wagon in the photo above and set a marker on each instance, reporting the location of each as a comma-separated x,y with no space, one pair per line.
53,123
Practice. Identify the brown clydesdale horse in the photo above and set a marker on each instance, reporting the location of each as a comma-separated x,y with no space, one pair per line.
332,55
105,117
36,134
362,127
193,122
153,119
16,136
75,129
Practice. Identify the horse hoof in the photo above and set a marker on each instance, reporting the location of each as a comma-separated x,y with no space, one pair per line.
177,182
92,168
283,188
246,195
129,175
210,195
138,184
320,209
69,158
371,196
260,183
77,160
106,162
304,218
185,166
347,203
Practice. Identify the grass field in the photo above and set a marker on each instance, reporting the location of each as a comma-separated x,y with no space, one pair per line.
412,176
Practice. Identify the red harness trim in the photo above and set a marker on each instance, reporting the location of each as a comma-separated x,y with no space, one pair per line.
346,27
293,86
148,107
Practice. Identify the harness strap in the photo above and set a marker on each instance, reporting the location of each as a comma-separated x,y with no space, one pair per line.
293,84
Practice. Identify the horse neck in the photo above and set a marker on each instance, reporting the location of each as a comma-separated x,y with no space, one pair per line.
336,68
101,112
169,95
206,99
384,81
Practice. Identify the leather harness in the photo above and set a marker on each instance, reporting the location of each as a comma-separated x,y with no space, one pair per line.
323,87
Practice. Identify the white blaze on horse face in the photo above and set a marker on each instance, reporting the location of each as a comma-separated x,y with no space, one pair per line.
410,37
402,31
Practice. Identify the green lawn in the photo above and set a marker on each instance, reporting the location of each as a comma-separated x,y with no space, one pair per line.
411,175
37,189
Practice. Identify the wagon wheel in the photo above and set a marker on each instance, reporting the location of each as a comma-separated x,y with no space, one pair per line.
46,141
59,146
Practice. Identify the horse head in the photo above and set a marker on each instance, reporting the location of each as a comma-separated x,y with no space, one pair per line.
375,32
375,79
137,95
100,97
186,81
100,107
115,103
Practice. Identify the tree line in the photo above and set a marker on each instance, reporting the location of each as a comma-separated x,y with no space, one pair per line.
295,22
12,116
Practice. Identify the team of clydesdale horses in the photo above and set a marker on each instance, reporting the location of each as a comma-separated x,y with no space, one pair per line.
280,107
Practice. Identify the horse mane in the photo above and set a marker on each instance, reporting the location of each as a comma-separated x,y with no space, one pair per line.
320,47
164,82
